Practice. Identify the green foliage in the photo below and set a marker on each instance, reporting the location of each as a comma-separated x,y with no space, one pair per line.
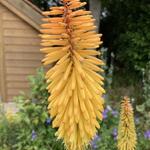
108,131
8,132
143,143
38,86
45,4
42,4
31,130
144,106
125,26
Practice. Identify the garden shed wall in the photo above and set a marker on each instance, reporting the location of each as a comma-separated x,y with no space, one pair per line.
19,52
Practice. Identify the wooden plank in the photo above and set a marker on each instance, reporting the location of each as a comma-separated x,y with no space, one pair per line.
21,41
17,85
16,25
2,65
8,15
18,78
23,56
33,6
21,33
2,8
21,63
20,71
27,10
24,11
16,91
22,49
11,97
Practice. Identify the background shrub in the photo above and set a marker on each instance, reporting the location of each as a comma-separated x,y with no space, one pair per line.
30,128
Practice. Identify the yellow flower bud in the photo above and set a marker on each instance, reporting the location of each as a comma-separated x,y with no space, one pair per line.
126,134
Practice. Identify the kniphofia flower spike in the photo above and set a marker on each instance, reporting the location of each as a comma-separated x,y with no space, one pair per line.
76,102
126,133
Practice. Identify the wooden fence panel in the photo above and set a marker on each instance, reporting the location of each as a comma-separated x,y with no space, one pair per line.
19,54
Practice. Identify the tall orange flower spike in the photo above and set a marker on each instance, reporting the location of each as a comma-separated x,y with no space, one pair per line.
76,102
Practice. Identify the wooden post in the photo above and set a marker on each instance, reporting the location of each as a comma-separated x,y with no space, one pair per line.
2,67
95,7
